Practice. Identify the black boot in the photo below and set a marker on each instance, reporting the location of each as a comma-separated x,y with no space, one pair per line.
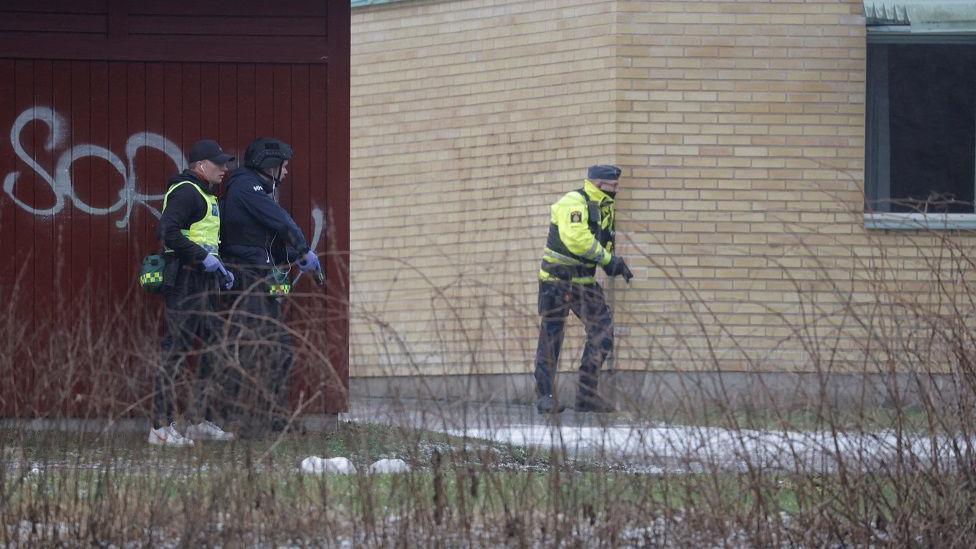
548,405
593,402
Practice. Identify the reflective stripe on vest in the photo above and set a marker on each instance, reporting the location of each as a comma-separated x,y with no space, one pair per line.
205,232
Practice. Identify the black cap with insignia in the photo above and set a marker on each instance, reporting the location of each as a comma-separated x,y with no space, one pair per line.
603,171
208,149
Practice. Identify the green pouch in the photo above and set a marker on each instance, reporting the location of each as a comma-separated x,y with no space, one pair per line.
278,284
151,273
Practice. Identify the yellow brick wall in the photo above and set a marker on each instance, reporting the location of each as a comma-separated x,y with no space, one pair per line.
742,126
468,119
739,127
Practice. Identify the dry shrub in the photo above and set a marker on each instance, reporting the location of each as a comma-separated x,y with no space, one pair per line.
873,446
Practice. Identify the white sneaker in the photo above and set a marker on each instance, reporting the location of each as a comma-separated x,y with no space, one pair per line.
207,430
168,436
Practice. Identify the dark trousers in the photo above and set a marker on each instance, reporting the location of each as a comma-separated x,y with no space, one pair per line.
191,327
257,388
556,299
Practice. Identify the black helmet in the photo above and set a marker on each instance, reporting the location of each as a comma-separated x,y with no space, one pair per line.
266,152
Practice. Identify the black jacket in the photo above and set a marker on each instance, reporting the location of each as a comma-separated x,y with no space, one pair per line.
254,229
184,207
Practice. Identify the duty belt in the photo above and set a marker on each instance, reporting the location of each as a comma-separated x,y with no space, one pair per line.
210,249
567,272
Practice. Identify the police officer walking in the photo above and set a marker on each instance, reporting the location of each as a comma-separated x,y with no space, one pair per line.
581,233
260,240
189,227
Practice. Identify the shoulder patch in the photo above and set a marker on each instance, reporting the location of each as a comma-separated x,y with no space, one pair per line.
576,217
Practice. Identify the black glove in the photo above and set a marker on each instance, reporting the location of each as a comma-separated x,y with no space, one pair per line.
618,267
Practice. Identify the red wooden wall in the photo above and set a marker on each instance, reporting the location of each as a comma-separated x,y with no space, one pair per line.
98,101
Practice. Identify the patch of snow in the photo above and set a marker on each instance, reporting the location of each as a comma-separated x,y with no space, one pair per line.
389,466
336,465
693,446
30,532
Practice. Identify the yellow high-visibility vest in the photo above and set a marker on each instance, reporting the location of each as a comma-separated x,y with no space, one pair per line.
206,231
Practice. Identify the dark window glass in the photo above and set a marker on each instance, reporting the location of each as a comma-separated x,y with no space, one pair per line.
924,141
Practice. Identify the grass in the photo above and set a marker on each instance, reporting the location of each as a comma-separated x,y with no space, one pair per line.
114,489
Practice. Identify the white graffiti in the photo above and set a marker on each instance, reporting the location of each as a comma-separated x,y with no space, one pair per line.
63,187
61,184
318,218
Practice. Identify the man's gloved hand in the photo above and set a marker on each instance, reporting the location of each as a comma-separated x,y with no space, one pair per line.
618,267
309,262
228,278
627,274
212,264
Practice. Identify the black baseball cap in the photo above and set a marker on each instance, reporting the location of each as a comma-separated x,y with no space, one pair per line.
603,171
208,149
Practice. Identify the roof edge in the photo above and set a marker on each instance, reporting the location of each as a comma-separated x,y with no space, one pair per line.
946,13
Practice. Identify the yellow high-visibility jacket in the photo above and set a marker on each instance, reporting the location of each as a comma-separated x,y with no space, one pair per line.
206,231
581,231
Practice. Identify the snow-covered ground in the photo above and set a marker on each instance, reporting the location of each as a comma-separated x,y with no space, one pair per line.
650,447
694,448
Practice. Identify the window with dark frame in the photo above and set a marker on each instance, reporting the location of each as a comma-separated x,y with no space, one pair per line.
920,149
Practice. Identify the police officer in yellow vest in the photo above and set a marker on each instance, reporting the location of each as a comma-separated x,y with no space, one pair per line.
189,227
581,234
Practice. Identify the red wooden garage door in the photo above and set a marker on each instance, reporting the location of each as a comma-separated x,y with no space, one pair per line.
98,102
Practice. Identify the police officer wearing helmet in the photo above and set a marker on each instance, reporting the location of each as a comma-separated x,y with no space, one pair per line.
189,228
259,239
581,234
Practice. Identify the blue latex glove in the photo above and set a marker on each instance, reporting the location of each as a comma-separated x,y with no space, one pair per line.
212,264
309,262
228,282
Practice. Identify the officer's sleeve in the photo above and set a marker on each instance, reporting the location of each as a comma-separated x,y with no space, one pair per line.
293,254
184,207
273,217
571,217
